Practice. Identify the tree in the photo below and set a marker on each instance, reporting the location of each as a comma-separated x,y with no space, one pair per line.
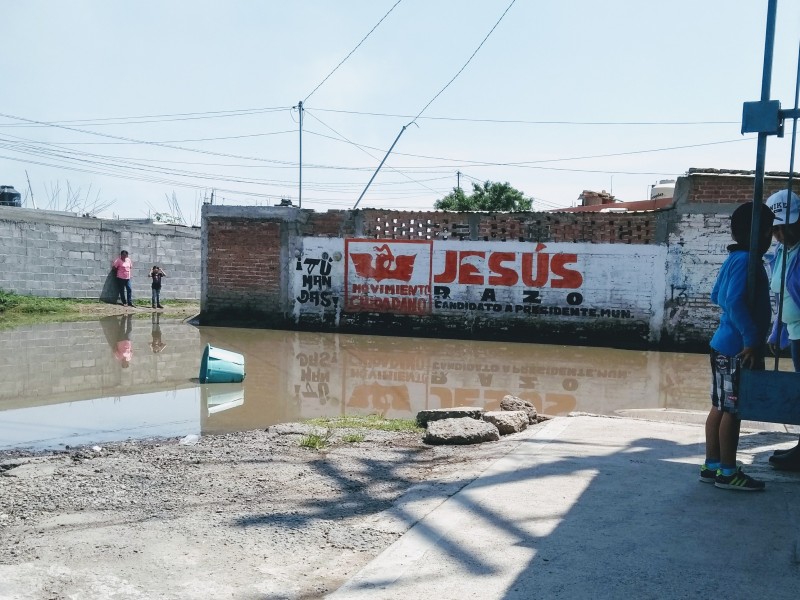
489,197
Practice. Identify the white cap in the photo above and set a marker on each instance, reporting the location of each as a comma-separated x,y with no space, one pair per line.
777,204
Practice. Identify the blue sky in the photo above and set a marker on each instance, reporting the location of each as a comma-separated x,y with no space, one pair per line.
214,83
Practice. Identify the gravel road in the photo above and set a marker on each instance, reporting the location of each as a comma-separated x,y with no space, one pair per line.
248,515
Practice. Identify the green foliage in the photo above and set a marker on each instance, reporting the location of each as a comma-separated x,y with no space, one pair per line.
33,305
316,441
487,197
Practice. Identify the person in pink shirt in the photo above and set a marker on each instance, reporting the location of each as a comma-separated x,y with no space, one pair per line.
123,267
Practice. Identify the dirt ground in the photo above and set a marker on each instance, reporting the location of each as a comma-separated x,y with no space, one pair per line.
181,310
249,515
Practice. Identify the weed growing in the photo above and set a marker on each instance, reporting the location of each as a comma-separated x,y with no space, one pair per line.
366,422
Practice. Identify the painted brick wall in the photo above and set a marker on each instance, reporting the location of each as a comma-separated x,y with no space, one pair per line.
56,255
694,233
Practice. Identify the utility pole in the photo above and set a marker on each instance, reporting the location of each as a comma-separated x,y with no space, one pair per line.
300,175
458,180
30,189
388,152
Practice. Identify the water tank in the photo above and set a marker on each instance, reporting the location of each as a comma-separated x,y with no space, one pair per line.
9,196
665,188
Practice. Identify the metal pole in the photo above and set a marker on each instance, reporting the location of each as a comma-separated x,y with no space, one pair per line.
388,152
754,262
300,182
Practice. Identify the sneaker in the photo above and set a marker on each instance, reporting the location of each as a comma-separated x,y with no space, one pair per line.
159,306
708,475
738,481
131,305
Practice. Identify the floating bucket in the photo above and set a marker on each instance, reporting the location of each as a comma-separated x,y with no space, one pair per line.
221,366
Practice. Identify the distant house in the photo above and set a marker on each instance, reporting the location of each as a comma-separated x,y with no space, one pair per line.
660,197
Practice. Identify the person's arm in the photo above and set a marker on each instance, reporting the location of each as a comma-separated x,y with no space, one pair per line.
736,306
793,280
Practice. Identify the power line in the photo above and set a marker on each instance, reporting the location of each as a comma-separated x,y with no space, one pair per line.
212,139
101,121
459,161
424,108
525,121
362,149
351,51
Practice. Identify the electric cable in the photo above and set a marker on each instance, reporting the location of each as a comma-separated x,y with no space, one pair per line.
351,51
424,108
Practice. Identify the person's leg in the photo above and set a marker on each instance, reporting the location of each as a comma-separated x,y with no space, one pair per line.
129,291
794,464
729,427
794,346
121,290
158,298
730,476
708,470
153,296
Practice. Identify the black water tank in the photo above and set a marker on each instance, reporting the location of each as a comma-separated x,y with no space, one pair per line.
9,196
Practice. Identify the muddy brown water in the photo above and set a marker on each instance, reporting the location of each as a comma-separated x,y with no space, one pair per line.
118,378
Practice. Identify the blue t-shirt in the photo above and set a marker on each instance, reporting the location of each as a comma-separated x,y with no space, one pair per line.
739,326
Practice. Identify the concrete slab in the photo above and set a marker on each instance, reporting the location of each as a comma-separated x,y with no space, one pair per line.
593,507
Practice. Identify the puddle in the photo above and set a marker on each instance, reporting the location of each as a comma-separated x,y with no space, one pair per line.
117,378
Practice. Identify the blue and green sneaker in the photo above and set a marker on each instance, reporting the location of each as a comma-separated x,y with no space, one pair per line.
738,481
707,475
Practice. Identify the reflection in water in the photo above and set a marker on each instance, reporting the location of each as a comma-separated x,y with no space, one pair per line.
298,375
118,331
157,342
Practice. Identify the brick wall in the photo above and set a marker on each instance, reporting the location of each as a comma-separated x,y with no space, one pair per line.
243,254
721,186
694,232
63,256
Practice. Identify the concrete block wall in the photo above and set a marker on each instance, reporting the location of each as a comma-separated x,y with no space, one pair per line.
63,256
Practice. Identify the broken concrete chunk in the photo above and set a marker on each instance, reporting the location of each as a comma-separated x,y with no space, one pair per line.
435,414
465,430
511,421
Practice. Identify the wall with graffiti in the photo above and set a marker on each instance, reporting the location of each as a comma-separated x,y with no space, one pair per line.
633,280
498,284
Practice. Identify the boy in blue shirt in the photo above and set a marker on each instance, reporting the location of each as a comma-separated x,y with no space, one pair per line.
739,342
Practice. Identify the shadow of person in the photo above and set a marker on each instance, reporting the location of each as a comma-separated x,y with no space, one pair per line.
157,343
110,292
118,332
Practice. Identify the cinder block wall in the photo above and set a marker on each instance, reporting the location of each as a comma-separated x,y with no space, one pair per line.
62,256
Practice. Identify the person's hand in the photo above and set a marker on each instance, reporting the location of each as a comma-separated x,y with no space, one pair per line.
747,357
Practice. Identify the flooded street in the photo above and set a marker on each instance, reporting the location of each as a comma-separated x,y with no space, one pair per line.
118,378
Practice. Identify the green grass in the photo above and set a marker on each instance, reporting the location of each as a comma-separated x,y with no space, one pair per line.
366,422
316,441
16,310
353,438
23,310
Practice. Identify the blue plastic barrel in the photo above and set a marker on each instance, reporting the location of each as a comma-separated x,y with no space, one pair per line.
221,366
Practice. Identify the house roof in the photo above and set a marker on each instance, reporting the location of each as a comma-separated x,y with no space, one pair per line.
639,205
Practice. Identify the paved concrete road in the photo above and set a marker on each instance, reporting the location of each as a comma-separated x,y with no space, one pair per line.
592,507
